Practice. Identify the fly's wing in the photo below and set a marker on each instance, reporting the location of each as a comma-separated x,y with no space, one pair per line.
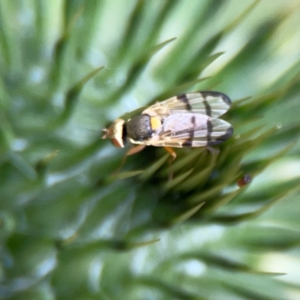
212,104
203,131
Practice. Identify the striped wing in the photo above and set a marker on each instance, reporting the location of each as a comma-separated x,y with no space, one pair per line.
213,104
191,130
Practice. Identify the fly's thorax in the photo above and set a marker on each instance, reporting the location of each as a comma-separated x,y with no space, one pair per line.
116,133
142,127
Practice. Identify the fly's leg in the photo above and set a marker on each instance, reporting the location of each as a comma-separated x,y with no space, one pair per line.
135,150
139,148
173,157
131,151
171,152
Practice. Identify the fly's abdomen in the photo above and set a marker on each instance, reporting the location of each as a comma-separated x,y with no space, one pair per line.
185,122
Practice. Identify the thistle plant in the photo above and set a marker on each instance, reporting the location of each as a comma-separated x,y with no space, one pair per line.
195,228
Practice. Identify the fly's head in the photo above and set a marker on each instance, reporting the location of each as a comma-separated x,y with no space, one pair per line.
116,133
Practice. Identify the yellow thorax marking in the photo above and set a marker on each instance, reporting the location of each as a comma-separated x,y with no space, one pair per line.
155,123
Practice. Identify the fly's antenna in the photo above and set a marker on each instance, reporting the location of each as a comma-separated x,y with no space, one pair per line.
105,131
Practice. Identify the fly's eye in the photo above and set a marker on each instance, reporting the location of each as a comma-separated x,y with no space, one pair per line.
117,143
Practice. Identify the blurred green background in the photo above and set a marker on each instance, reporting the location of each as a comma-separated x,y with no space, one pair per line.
71,230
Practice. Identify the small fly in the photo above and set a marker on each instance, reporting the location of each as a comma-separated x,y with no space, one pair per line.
187,120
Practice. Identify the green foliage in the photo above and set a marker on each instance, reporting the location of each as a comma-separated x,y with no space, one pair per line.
71,228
